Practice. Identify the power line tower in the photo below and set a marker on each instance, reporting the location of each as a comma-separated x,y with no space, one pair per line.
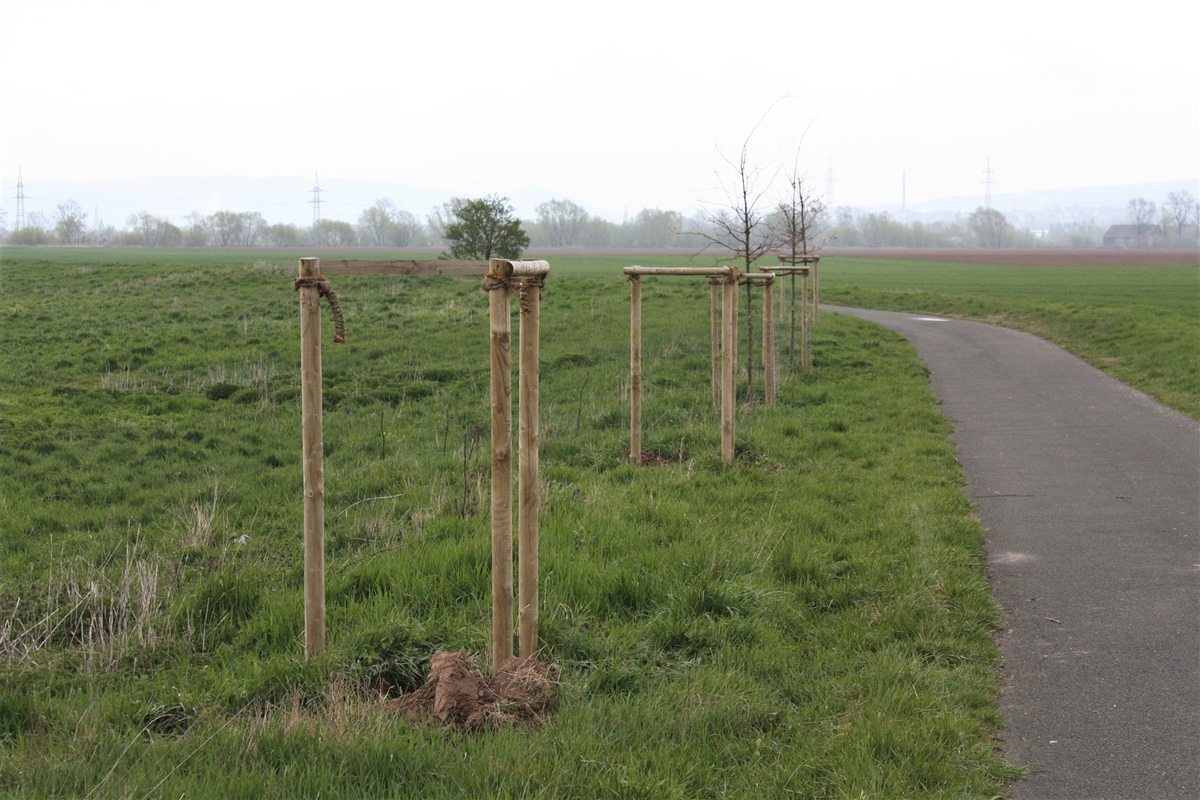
988,180
316,199
20,221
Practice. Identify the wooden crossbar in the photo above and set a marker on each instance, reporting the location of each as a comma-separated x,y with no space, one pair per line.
345,266
710,271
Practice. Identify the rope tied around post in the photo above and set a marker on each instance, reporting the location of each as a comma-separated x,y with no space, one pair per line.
524,284
325,289
493,282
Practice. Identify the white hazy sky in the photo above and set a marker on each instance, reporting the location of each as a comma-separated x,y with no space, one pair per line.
610,104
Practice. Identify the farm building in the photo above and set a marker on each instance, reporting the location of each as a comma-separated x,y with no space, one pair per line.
1144,235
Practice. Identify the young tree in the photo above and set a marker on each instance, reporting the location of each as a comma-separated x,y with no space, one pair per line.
797,216
483,228
740,227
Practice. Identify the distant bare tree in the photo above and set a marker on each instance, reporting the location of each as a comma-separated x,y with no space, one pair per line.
405,229
562,222
877,229
1140,211
653,227
991,228
69,224
1141,215
251,228
224,228
38,221
375,223
154,231
195,234
332,233
282,235
1181,210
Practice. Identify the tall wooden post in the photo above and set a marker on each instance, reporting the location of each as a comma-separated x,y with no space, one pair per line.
769,338
529,500
314,459
635,369
728,366
501,396
816,286
805,361
792,326
714,286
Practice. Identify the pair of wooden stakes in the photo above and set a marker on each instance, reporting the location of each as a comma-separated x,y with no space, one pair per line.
501,279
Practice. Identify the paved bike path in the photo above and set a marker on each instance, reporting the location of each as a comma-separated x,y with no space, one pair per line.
1090,493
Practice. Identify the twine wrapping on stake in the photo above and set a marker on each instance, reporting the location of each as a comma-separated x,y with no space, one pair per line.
325,289
493,282
523,285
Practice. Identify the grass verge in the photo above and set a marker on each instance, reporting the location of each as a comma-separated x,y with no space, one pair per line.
812,621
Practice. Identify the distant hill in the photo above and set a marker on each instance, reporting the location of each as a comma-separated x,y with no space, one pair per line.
1100,204
290,200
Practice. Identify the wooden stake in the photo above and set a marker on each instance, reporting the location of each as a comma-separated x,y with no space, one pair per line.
501,392
635,369
728,366
792,326
769,340
529,499
805,361
783,293
314,460
816,276
714,286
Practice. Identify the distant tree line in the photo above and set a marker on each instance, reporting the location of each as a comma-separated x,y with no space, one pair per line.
802,222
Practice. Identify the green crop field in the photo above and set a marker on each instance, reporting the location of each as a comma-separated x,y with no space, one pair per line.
811,621
1140,323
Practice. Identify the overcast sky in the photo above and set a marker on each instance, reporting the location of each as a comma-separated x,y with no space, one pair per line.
612,104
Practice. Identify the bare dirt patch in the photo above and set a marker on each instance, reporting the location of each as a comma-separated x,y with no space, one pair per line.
456,693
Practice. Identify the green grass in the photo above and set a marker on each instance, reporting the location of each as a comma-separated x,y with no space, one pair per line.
811,621
1141,324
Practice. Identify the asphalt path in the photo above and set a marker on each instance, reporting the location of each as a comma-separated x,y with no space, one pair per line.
1090,493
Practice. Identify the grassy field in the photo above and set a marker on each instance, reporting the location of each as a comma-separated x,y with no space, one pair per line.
1139,323
812,621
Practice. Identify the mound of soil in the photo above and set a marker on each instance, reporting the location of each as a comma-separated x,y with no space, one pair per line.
456,693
